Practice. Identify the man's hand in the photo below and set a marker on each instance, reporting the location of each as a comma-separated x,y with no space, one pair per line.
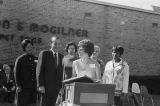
13,88
19,89
41,89
5,89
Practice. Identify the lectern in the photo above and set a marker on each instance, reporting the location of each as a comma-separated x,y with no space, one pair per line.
90,94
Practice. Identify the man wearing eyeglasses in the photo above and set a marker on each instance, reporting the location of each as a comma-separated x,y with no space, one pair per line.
49,72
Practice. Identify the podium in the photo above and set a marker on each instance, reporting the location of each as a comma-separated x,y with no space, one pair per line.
84,79
89,94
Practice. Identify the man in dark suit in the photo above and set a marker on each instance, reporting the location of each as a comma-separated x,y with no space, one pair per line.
25,75
49,72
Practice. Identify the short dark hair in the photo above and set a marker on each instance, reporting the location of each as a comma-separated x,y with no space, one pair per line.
88,46
70,44
118,49
25,42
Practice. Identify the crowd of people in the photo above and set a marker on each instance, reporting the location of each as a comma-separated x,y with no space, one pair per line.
41,78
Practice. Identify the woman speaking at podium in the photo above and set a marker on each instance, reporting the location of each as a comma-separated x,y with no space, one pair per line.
85,66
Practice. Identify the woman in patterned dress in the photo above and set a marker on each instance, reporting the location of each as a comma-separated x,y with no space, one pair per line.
117,72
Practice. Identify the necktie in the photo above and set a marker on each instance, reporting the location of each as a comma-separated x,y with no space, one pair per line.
7,78
56,63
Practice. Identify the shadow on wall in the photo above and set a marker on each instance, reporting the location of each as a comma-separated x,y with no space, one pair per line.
152,82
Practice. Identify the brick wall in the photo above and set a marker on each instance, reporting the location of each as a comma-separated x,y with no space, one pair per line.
136,31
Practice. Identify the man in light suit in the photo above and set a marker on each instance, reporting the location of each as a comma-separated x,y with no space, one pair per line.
49,72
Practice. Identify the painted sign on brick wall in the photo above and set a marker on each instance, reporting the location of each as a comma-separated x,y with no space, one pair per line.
7,27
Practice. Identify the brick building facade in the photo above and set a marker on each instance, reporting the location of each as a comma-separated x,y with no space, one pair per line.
136,30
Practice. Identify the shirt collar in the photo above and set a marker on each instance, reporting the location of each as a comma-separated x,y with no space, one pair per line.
54,51
119,63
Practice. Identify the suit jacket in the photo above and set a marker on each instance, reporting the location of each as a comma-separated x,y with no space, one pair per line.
49,74
8,83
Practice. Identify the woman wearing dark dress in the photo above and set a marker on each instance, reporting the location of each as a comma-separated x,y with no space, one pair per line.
25,75
71,49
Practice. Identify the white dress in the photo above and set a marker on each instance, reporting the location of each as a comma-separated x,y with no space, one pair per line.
90,69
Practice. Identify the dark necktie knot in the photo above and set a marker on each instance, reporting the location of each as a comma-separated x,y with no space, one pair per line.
56,61
55,54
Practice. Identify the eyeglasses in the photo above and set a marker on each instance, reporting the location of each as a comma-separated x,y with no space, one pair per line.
81,49
7,69
96,51
71,48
